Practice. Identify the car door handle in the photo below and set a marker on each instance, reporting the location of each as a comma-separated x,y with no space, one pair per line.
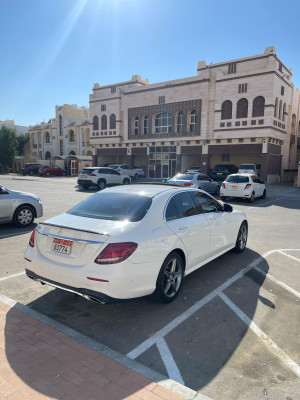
183,228
212,218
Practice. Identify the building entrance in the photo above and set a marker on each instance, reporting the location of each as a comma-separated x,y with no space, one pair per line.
162,161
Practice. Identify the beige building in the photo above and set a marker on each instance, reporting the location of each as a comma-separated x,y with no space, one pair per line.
239,111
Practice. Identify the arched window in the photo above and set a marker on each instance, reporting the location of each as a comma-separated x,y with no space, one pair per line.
293,124
146,125
72,136
47,137
280,109
242,108
72,153
47,155
226,110
163,123
283,112
89,153
95,123
180,121
136,126
60,126
276,108
193,120
258,107
104,122
112,121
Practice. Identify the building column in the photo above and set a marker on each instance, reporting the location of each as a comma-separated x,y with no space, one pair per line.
205,163
178,163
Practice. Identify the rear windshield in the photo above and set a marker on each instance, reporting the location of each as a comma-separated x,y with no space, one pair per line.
194,168
221,168
246,166
184,177
113,207
237,179
87,171
113,166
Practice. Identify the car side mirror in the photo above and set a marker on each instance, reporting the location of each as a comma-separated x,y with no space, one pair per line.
227,208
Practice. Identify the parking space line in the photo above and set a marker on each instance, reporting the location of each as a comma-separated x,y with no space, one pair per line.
169,361
288,255
12,276
140,349
266,202
265,338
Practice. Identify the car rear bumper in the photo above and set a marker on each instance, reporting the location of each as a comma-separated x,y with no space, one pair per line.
86,182
245,194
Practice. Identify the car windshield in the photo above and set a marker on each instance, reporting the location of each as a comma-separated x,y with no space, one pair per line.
113,207
246,166
87,171
220,168
237,179
183,177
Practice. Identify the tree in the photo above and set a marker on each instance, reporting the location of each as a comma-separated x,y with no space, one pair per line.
22,140
8,148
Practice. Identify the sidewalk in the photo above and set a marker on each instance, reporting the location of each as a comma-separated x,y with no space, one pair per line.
38,362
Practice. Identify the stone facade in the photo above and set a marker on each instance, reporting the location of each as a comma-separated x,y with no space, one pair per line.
233,112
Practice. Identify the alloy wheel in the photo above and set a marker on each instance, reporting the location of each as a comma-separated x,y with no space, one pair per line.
172,277
242,239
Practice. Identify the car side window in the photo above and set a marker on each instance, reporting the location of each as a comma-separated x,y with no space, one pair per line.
171,211
113,172
185,205
256,179
102,171
207,203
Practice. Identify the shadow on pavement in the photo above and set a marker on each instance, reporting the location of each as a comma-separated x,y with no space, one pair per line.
10,230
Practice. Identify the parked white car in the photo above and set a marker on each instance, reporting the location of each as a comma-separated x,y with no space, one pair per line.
101,177
125,169
127,242
19,207
245,186
249,169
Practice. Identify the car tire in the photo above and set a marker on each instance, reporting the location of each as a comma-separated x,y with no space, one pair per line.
169,282
264,194
85,186
47,174
101,184
223,198
241,239
23,216
136,176
126,181
251,199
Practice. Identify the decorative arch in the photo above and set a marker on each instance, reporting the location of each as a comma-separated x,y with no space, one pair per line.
95,123
226,112
112,121
242,108
258,109
103,122
47,155
72,153
276,107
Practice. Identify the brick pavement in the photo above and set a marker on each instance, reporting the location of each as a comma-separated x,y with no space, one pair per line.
38,362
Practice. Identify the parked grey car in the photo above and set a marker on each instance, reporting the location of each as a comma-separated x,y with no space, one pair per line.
200,181
19,207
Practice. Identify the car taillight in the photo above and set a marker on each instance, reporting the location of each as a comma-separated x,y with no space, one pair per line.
91,174
247,186
223,185
118,170
116,252
188,184
31,240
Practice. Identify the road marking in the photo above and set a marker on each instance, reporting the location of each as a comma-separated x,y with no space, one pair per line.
169,361
14,234
266,202
190,311
265,338
288,255
12,276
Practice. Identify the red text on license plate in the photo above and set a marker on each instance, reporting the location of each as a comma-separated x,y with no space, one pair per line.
62,241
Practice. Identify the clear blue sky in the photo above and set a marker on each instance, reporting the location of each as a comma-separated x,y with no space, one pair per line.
53,51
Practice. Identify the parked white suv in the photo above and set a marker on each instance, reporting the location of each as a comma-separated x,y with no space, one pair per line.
245,186
101,177
249,169
125,169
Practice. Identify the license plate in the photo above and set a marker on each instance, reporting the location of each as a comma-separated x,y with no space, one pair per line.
62,246
83,176
234,187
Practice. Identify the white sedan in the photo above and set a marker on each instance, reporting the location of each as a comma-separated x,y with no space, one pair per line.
127,242
245,186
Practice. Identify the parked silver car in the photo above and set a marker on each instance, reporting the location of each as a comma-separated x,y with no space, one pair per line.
200,181
19,207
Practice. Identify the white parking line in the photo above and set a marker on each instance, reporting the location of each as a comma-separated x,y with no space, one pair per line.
288,255
12,276
265,338
169,361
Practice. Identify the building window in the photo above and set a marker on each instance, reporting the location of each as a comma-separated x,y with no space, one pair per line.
280,110
222,124
146,125
136,125
60,125
95,123
284,112
193,121
163,123
103,107
280,67
238,123
253,122
243,88
61,147
103,122
244,123
258,107
241,140
242,108
180,121
226,110
72,136
47,137
72,153
113,89
293,124
232,68
47,155
276,108
228,124
282,90
161,100
225,157
229,140
112,121
260,122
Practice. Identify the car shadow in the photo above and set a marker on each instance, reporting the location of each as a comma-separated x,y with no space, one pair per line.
10,230
124,326
286,202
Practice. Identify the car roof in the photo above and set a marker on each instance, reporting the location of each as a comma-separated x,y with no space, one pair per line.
151,190
242,174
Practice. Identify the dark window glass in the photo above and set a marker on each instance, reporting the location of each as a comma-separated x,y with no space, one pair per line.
146,125
207,203
180,121
242,108
184,204
171,211
258,107
112,121
237,179
113,207
226,110
104,122
95,123
184,177
87,171
203,178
